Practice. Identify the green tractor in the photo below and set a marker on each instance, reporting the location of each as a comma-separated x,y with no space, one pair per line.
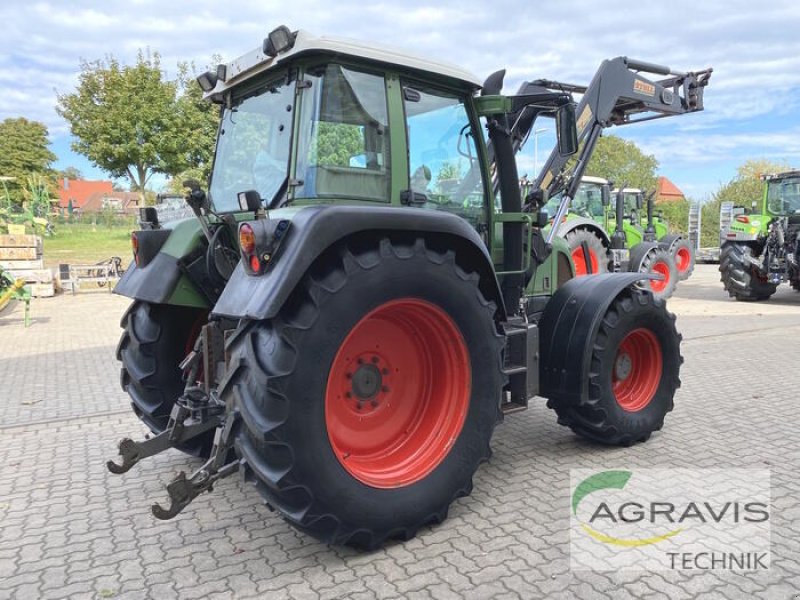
351,313
759,248
643,224
629,247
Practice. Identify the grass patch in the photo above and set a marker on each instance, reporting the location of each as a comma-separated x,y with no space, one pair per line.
84,243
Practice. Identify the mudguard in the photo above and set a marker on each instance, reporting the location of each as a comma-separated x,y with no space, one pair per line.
160,278
567,330
316,228
584,223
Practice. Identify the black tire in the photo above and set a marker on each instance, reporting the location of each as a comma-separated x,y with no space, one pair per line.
156,338
682,253
601,417
658,260
737,274
281,373
594,244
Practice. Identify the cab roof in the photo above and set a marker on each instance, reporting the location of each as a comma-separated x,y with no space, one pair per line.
256,61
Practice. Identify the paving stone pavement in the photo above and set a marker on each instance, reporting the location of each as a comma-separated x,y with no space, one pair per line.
70,529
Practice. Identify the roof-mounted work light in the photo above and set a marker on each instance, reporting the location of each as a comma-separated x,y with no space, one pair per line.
207,81
279,40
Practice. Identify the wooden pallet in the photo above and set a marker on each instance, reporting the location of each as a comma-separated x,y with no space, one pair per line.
21,257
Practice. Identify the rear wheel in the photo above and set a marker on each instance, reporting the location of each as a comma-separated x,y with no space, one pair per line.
156,338
589,255
738,276
659,262
634,373
370,400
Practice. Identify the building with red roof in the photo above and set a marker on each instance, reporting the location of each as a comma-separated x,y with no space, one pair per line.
666,191
80,190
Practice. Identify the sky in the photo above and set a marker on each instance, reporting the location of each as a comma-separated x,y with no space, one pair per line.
751,105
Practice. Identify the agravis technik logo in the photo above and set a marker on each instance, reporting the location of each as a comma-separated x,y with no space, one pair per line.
670,519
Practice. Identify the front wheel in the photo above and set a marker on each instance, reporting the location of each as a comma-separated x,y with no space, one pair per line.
682,253
634,373
739,277
370,400
658,261
589,255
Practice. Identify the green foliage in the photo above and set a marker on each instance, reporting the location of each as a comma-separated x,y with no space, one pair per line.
24,152
622,162
132,122
69,173
676,214
337,143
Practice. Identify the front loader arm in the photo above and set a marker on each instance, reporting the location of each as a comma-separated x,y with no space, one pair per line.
618,94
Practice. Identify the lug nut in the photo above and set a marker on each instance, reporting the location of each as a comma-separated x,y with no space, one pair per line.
385,388
375,360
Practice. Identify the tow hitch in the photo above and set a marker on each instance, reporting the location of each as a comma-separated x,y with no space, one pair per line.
196,412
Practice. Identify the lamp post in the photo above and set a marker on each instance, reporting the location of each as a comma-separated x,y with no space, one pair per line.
536,133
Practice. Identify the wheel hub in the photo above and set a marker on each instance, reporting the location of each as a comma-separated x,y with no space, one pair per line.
367,382
623,366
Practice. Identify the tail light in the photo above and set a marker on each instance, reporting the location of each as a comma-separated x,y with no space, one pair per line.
247,239
135,247
259,241
743,219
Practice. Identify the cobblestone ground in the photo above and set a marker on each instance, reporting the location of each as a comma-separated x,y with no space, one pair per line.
70,529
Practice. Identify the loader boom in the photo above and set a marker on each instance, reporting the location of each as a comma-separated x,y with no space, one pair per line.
618,94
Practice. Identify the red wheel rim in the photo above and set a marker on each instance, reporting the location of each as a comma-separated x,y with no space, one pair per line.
661,268
398,393
683,259
637,370
581,264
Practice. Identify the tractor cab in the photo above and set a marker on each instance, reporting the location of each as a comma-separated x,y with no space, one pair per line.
330,121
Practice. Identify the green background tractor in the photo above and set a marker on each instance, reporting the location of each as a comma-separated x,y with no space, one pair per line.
354,309
759,247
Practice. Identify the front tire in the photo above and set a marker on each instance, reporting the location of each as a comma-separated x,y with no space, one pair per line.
737,274
682,253
635,367
660,262
597,257
156,338
370,400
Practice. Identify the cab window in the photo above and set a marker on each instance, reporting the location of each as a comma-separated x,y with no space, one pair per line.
444,167
343,142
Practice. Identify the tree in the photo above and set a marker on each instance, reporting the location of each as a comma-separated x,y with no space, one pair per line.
199,121
128,120
623,162
24,153
69,173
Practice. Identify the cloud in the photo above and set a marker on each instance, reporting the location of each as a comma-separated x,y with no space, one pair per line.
754,50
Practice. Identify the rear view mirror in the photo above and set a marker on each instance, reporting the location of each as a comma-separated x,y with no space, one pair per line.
605,195
639,202
566,130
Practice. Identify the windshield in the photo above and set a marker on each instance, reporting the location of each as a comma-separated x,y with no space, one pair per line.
783,196
253,145
588,201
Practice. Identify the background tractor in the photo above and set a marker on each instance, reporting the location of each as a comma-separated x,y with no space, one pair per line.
352,311
759,247
597,244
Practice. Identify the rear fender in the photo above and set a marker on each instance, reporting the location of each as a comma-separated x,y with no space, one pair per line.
316,228
161,278
567,330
